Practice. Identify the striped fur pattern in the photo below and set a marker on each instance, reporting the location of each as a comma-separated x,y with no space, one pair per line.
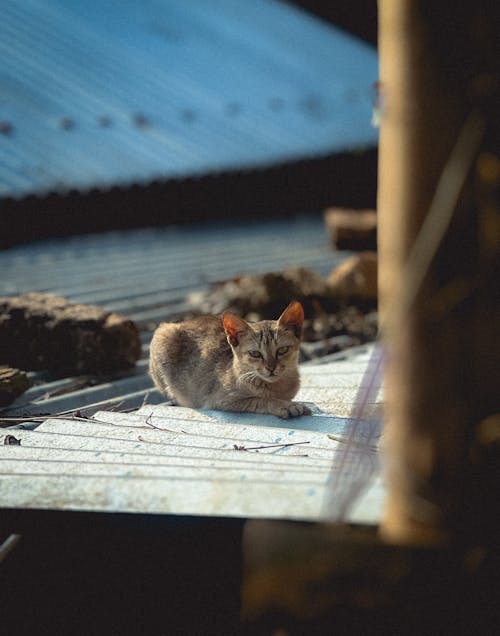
230,364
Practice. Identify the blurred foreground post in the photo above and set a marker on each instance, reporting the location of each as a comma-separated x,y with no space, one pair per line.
434,567
439,251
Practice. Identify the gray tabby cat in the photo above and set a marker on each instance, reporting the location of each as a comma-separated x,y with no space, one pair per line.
230,364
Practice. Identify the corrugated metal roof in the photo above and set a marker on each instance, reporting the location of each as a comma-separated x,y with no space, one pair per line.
173,460
148,274
102,465
95,94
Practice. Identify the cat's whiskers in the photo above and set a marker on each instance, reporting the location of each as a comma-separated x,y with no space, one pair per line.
248,377
255,378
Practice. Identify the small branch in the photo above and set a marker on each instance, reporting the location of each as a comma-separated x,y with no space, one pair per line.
34,418
254,448
8,545
116,407
158,428
148,441
150,423
346,440
74,415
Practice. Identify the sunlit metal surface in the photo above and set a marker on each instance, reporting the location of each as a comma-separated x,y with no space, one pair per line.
173,460
147,275
105,451
95,94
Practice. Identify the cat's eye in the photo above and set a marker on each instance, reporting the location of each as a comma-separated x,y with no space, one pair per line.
255,354
282,350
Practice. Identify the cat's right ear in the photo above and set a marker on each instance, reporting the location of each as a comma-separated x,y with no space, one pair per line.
233,326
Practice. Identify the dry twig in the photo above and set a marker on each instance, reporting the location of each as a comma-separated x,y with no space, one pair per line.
257,448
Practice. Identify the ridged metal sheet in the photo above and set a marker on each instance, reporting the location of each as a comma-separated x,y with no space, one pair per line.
174,460
95,94
147,275
117,445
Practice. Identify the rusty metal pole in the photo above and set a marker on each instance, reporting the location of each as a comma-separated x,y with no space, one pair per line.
439,80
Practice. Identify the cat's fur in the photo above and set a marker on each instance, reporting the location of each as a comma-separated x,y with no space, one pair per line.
206,363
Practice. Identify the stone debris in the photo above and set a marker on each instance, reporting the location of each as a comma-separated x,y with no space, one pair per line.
352,229
338,315
42,331
264,296
356,278
13,383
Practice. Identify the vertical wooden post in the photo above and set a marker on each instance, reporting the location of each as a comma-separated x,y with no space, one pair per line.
439,291
439,81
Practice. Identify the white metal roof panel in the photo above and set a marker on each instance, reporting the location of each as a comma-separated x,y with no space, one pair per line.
172,460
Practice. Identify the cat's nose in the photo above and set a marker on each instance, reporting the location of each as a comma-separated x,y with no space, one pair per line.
271,366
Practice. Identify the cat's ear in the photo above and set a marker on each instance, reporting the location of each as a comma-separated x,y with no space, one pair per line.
234,326
293,317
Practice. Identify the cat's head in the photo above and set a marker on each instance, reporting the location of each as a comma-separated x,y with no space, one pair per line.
269,348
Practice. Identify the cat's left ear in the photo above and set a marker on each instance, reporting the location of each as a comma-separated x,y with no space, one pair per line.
233,326
293,317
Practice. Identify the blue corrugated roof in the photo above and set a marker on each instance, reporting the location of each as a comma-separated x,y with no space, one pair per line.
106,92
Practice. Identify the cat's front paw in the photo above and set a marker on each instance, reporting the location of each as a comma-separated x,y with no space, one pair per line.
294,409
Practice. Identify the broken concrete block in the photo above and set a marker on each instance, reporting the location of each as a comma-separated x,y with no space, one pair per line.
352,229
264,296
356,278
13,383
42,331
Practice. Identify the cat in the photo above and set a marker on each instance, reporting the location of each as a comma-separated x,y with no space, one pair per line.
226,363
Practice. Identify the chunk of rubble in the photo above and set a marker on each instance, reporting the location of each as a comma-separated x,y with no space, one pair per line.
356,278
13,382
264,296
42,331
352,229
331,313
